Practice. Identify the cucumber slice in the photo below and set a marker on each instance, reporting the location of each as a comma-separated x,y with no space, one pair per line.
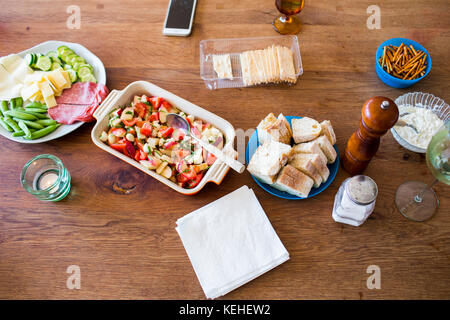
88,78
54,59
53,55
85,65
56,65
72,75
44,63
65,55
61,48
67,67
29,58
84,72
71,58
79,59
77,65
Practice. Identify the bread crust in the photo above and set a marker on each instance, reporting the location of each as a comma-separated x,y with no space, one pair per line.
327,130
293,181
306,165
327,148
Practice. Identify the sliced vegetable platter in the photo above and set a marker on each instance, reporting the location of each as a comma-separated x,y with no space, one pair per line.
40,57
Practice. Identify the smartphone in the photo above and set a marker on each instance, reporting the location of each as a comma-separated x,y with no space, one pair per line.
179,18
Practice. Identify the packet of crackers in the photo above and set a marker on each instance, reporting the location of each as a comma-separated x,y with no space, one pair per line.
245,62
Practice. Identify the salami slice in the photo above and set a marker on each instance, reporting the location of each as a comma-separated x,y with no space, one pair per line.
79,102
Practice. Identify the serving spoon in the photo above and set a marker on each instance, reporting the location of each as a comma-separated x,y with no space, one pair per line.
178,122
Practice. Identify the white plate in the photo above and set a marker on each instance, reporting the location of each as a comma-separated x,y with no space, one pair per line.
99,72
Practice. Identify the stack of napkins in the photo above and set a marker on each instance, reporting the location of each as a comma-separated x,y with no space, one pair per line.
230,242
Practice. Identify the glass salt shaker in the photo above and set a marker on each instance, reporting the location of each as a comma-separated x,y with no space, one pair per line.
355,200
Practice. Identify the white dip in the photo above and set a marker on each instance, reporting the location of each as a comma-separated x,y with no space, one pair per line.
424,120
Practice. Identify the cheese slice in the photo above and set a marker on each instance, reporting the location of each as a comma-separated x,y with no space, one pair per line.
21,71
45,89
29,91
222,66
9,87
36,76
57,79
67,77
11,62
36,97
50,101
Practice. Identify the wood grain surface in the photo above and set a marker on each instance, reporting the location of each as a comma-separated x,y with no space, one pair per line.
126,245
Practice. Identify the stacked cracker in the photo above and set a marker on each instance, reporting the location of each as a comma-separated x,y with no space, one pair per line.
273,64
296,168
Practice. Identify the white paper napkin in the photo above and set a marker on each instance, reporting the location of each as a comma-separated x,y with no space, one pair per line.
230,242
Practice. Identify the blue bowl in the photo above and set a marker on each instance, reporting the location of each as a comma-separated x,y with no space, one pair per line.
253,144
391,80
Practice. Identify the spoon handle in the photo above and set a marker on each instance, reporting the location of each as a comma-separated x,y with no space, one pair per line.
234,164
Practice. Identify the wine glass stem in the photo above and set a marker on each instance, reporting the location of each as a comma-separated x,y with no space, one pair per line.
419,197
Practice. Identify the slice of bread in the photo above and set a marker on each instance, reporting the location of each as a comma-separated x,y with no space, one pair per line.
310,147
263,136
279,132
318,162
268,159
294,182
327,130
305,129
274,129
283,118
305,164
327,148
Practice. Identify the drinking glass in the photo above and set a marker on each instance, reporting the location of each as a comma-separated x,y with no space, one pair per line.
287,22
46,178
416,200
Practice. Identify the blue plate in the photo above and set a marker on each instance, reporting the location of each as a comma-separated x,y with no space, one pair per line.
253,144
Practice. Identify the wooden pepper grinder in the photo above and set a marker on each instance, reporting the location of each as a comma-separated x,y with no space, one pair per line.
378,115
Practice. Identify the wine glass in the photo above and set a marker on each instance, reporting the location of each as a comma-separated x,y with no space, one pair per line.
287,22
416,200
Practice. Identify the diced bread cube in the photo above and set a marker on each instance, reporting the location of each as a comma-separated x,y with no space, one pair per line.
268,159
306,165
327,148
283,118
318,162
327,130
271,128
305,129
294,182
310,147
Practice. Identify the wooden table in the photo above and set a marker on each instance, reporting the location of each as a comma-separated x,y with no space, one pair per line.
126,245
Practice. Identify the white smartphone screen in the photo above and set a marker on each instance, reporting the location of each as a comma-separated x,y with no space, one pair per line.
180,13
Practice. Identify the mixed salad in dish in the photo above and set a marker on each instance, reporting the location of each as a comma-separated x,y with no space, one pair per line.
140,131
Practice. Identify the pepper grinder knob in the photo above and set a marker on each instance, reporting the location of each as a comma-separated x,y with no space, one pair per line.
378,115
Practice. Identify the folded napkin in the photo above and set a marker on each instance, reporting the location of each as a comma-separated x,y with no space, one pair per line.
230,242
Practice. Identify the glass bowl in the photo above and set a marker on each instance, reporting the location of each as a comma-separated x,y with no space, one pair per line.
421,100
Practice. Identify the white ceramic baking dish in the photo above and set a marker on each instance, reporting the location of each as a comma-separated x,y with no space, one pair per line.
117,98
